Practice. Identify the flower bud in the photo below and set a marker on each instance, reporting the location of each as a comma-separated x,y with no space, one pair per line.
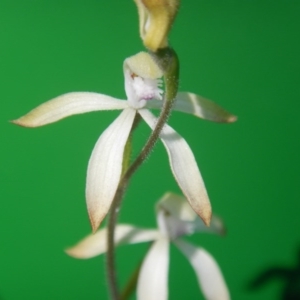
156,18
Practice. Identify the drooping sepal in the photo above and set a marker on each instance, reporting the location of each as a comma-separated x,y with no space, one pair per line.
96,244
184,167
67,105
105,167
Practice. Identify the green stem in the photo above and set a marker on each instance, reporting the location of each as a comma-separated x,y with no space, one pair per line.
168,61
110,257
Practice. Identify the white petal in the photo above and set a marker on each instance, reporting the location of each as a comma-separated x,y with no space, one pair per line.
96,244
209,275
153,277
184,167
105,167
198,106
66,105
201,107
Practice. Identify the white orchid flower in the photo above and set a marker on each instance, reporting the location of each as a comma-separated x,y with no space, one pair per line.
175,219
142,86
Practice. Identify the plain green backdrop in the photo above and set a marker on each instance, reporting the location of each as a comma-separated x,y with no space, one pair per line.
243,54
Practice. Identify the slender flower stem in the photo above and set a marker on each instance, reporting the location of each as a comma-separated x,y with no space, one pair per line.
110,260
168,61
110,257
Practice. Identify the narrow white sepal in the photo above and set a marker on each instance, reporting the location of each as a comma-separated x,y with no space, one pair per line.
105,167
198,106
153,277
69,104
203,108
96,244
209,275
184,167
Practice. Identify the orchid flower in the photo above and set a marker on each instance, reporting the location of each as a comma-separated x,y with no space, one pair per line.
142,86
175,218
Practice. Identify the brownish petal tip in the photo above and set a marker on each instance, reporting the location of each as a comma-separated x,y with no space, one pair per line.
232,119
94,225
206,216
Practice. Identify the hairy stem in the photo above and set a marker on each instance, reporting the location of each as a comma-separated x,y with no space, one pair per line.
168,61
110,257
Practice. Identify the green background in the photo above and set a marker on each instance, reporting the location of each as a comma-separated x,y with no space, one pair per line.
242,54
